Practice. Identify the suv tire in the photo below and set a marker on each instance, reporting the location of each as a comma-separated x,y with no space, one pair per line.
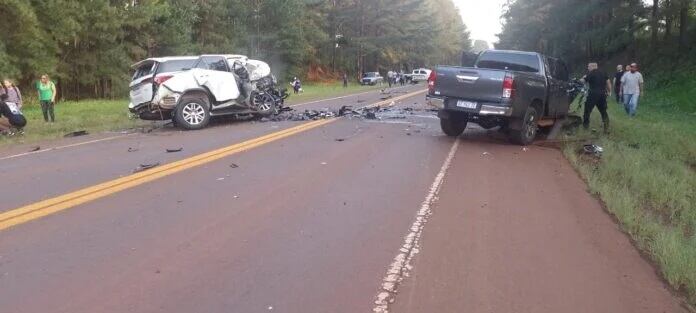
529,129
452,127
192,112
264,104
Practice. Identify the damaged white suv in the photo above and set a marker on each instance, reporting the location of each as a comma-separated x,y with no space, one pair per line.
191,90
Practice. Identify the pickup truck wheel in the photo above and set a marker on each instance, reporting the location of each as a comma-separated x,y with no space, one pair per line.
452,127
529,129
192,113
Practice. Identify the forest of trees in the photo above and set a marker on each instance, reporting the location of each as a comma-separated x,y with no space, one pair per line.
88,46
661,33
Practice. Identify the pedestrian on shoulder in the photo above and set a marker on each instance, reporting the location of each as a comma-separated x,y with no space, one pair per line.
632,88
599,89
12,120
617,82
345,80
12,92
47,97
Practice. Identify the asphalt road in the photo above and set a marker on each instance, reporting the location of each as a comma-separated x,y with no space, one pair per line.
342,215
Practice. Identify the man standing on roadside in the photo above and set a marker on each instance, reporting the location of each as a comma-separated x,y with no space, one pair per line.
631,88
617,82
600,88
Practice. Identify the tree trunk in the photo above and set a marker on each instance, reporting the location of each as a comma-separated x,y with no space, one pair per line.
683,23
668,19
655,22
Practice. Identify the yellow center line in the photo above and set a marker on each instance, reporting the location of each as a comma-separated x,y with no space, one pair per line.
49,206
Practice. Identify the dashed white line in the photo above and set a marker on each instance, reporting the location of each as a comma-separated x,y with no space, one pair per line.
401,266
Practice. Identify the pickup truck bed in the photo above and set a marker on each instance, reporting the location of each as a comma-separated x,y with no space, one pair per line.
510,89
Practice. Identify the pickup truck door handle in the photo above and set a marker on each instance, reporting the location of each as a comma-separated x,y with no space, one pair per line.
467,78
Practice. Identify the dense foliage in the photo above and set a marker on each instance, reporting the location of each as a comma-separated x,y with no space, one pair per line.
660,33
87,46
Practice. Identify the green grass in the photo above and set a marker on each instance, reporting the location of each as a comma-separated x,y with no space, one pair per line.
325,90
105,115
91,115
647,177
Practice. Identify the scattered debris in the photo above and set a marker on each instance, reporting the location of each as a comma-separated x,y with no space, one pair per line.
144,167
486,153
525,149
339,139
36,148
323,163
131,149
220,178
76,133
593,149
174,150
234,165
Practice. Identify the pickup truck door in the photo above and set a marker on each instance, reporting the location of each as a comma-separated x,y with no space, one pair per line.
556,88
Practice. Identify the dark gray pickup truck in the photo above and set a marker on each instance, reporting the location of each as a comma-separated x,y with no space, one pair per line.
518,91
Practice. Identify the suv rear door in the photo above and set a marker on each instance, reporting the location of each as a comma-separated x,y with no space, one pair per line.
141,89
143,84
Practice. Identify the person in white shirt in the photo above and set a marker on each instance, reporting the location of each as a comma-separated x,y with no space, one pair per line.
631,88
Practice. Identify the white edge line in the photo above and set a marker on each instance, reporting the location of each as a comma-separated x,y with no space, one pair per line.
401,265
66,146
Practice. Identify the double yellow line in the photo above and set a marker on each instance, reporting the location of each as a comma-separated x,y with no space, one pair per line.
49,206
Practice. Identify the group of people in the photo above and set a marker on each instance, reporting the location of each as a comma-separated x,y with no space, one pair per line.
627,87
396,78
12,121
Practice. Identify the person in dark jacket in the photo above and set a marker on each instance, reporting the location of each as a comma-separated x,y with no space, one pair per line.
599,89
12,120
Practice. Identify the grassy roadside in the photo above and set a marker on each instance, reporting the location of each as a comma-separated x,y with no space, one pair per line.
647,177
325,90
105,115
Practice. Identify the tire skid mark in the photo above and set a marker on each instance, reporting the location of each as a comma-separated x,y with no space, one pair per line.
401,266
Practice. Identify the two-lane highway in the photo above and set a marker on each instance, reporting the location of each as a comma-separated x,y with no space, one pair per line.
311,221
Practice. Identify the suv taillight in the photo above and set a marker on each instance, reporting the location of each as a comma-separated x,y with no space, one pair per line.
508,86
431,82
161,79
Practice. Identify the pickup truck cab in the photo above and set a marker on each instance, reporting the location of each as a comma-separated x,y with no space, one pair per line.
515,90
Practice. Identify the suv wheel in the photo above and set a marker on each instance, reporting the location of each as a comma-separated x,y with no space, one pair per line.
452,127
192,113
529,129
264,104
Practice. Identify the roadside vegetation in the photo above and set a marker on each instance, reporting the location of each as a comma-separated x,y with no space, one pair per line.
317,91
647,174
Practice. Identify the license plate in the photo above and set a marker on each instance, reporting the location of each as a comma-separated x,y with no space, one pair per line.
466,104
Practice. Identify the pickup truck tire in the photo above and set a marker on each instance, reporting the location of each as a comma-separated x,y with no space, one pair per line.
452,127
192,112
529,129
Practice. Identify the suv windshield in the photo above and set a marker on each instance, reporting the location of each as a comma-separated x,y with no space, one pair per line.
508,61
370,74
